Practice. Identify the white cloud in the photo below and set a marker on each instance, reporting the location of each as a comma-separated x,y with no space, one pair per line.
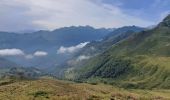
82,57
71,49
11,52
36,54
51,14
29,56
19,52
40,53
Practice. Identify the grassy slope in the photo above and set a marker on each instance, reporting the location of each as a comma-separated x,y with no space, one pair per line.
98,47
141,61
50,89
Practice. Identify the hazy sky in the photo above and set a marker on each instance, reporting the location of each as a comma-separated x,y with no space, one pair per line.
17,15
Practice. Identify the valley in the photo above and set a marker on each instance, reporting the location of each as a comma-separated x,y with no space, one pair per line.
84,50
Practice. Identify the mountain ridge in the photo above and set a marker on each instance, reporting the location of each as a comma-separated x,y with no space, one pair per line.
130,63
97,47
48,41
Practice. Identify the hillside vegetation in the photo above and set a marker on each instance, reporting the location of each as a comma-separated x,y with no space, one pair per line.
98,47
140,61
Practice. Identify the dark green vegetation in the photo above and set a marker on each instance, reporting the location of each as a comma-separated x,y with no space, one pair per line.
40,94
140,61
97,47
93,48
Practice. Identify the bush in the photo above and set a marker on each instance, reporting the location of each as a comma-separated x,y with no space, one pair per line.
40,94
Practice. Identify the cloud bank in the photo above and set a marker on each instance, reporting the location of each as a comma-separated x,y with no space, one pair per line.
71,49
19,52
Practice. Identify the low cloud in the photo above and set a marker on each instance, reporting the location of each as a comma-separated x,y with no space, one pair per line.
36,54
76,61
19,52
11,52
83,57
29,56
40,53
71,49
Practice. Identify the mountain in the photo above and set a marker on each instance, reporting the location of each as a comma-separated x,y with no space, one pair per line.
97,47
21,73
66,36
11,69
140,61
48,41
4,63
51,41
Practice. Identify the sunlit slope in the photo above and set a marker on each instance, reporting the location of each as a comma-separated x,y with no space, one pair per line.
141,61
50,89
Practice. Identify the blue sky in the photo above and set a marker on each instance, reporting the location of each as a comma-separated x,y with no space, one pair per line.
153,10
18,15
